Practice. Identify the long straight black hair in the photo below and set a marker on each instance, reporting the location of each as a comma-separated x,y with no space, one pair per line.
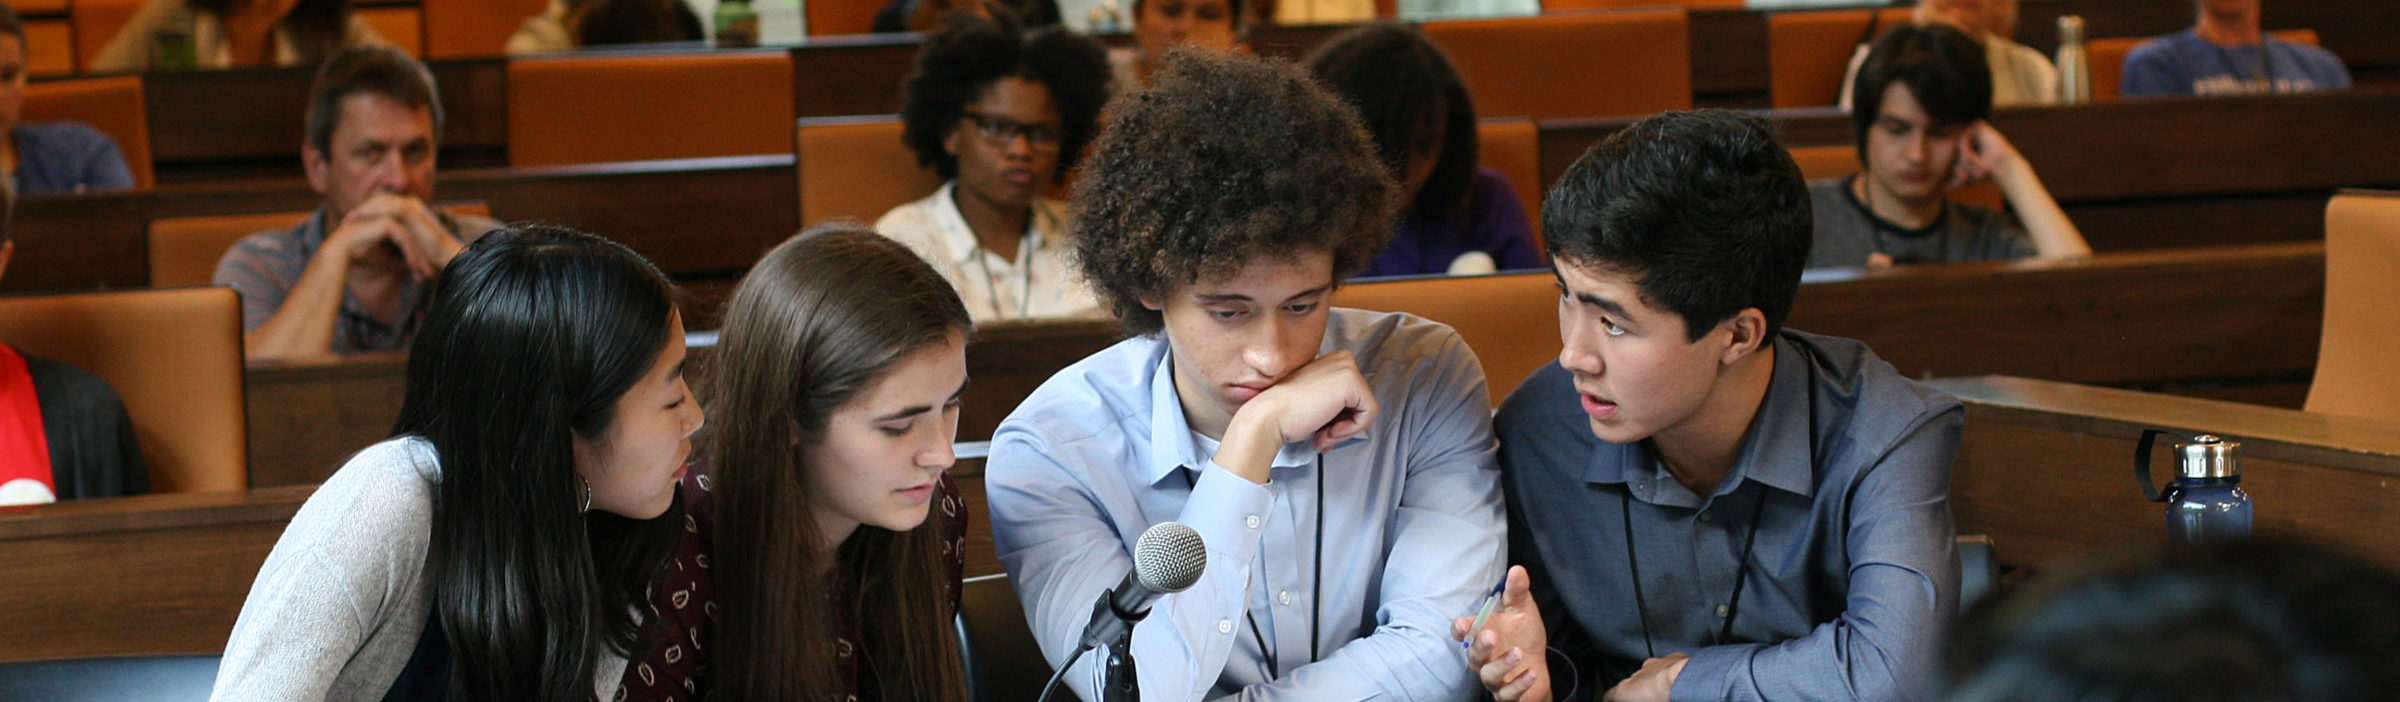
531,336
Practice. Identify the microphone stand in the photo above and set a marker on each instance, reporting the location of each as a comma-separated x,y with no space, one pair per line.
1118,683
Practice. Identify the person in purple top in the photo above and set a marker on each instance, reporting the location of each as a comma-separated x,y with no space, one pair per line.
1456,217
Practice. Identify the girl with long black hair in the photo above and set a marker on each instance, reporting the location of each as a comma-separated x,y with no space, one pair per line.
500,545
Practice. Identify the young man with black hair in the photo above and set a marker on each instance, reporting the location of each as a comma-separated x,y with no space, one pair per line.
348,278
1922,96
1705,505
1338,464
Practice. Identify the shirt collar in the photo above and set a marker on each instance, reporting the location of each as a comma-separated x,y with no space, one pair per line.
1173,442
958,240
1776,451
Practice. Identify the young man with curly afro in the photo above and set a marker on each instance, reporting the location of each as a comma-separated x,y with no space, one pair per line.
1339,464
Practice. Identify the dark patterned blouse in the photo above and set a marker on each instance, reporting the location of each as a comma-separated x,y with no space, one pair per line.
676,666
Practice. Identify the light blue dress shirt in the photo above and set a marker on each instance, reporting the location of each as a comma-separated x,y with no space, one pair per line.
1413,530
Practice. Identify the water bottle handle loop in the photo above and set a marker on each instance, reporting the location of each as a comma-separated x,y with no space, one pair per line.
2141,464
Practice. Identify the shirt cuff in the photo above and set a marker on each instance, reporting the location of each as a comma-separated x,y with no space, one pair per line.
1229,512
1704,677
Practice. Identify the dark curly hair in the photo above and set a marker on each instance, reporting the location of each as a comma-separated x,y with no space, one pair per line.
969,53
1225,159
1404,88
1702,206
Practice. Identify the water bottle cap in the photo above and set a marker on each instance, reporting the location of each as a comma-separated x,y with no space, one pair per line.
2208,456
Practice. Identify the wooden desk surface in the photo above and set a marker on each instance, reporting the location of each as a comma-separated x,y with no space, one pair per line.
2205,183
2157,173
305,418
2191,316
153,574
2045,469
696,218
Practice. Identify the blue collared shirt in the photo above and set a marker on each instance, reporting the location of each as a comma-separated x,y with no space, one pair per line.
1855,573
1413,530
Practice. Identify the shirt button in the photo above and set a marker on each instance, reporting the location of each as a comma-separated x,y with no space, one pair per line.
1707,517
1722,610
1251,520
1224,626
1284,597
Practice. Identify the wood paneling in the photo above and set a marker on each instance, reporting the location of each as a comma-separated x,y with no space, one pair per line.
212,123
2044,468
696,218
2118,319
153,574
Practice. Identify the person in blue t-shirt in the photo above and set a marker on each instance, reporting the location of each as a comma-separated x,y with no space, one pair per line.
2226,54
49,157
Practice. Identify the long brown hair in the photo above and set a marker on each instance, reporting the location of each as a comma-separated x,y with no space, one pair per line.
815,323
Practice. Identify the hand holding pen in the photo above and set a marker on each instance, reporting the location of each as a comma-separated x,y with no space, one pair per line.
1506,642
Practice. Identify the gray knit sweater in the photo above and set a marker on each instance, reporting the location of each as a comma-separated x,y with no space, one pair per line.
338,607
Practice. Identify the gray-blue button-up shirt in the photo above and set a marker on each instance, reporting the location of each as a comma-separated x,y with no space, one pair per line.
1412,525
1854,575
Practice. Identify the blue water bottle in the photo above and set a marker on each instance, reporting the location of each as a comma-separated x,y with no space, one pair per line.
2205,502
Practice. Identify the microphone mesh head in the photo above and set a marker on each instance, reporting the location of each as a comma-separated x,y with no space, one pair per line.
1169,557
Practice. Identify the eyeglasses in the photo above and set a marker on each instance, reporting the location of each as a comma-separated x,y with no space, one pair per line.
999,131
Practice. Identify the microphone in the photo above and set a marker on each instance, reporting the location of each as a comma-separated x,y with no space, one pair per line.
1167,558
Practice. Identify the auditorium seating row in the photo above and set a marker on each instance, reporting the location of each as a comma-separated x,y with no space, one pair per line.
175,353
689,103
2135,176
176,565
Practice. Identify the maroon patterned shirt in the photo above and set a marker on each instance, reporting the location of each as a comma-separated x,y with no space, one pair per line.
675,665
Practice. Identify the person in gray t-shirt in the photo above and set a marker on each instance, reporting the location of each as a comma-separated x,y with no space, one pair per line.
1922,96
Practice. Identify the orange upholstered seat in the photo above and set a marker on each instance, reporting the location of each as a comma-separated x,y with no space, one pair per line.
856,168
2362,308
404,26
96,22
1808,52
473,28
184,250
1513,146
1510,320
1826,161
593,109
1569,5
175,356
832,17
113,105
1582,64
49,48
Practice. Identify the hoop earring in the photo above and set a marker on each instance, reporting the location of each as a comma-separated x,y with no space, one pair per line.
587,494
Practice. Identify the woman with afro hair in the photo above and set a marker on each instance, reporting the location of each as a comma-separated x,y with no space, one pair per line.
1001,115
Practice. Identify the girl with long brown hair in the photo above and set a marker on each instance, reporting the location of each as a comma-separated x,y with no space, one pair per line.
830,536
